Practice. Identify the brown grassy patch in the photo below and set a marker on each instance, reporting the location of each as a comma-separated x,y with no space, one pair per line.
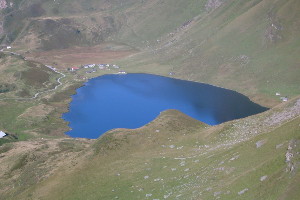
35,76
65,94
81,55
168,124
38,111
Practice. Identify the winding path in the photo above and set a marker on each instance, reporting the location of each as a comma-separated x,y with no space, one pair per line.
38,93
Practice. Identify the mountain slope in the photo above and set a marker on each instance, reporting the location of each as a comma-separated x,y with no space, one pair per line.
250,46
174,157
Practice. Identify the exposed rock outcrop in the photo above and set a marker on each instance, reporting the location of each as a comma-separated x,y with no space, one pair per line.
292,156
273,30
3,4
211,5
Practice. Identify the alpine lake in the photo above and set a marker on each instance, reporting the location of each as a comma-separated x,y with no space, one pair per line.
133,100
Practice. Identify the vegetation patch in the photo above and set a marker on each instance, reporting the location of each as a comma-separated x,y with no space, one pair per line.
109,142
65,94
36,77
37,112
66,146
20,163
5,148
6,87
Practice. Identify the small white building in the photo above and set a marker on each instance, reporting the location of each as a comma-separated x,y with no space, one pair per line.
89,66
277,94
8,47
284,99
2,134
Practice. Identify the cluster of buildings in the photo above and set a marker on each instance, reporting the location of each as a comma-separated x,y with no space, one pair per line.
101,66
282,98
93,68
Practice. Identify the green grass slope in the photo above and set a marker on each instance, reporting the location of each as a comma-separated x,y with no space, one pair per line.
176,157
22,115
23,79
248,46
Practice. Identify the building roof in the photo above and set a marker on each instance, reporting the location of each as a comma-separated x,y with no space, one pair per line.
2,134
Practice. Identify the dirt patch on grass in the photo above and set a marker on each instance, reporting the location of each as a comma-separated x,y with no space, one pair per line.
81,55
39,111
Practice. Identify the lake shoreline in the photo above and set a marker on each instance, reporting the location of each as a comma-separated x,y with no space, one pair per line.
211,89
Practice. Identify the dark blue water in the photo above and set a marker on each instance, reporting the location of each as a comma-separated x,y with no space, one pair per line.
133,100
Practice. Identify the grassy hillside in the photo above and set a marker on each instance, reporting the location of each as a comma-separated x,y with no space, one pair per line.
173,157
23,79
31,103
250,46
